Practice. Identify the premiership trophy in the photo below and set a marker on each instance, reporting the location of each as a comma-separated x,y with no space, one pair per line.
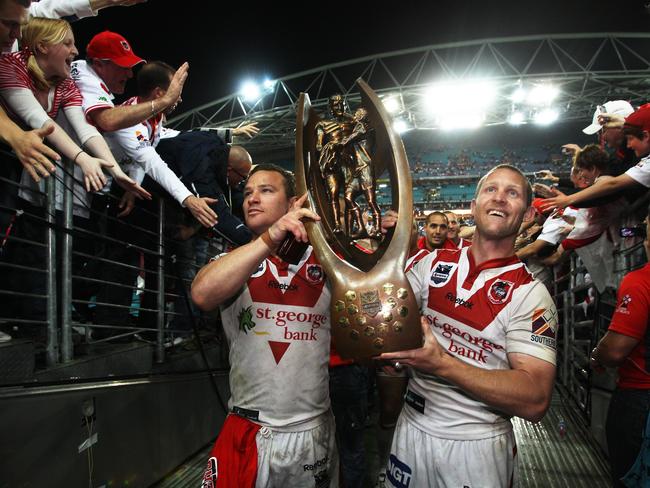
338,158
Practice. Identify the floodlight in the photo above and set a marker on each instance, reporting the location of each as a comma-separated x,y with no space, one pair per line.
516,118
400,126
542,95
268,85
250,91
518,96
391,104
546,116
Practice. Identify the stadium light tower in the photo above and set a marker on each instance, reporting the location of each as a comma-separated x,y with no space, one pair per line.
250,91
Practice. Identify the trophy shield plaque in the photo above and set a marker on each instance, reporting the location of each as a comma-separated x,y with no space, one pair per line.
338,158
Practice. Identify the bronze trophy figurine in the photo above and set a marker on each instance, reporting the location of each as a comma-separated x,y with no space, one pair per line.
373,307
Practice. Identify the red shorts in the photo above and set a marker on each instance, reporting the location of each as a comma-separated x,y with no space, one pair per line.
233,459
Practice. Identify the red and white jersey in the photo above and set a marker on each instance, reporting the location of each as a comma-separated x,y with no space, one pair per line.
449,244
137,144
593,221
95,92
631,319
15,76
554,226
479,314
278,329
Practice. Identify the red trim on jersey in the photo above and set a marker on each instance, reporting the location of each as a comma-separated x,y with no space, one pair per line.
631,319
569,244
233,458
301,291
481,304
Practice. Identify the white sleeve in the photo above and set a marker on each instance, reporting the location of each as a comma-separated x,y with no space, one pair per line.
94,95
532,325
81,127
136,146
552,230
56,9
24,104
418,277
641,172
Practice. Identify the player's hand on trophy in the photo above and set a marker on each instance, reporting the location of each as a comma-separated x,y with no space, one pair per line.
291,222
430,358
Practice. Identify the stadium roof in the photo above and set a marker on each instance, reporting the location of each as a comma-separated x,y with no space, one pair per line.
584,69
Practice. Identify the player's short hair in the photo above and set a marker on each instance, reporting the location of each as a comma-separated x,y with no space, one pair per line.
436,212
288,179
154,74
527,185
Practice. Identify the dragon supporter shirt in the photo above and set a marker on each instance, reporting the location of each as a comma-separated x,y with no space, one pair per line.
478,314
278,329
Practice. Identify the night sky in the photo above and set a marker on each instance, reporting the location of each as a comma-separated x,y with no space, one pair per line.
229,41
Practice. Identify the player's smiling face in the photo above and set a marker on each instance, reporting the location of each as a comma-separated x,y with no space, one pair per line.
500,205
265,200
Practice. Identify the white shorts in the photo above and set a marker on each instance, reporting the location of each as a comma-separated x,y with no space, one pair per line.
306,458
420,460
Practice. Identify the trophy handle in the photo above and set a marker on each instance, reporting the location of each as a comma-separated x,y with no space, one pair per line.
397,250
327,257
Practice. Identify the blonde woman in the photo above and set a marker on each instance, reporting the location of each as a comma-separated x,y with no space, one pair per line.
35,85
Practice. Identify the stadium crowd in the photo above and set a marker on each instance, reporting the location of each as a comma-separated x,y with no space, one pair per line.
56,108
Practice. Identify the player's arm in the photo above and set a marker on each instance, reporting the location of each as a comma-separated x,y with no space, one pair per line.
613,349
524,390
221,279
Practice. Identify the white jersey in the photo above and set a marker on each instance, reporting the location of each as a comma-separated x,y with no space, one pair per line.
94,91
641,172
478,314
278,329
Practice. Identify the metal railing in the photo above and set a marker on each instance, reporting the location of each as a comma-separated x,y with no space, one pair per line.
584,315
46,258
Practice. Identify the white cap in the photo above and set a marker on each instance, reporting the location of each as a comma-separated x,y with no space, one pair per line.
616,107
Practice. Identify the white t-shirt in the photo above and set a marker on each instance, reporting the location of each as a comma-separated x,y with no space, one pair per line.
478,314
278,329
641,172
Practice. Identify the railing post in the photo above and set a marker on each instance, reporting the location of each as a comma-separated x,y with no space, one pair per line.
66,278
52,346
566,338
160,348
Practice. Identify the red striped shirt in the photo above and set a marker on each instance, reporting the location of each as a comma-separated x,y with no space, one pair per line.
14,74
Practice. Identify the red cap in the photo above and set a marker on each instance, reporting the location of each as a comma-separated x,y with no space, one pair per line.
537,205
639,119
112,46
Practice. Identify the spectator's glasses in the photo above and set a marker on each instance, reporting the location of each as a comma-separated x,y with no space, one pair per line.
239,186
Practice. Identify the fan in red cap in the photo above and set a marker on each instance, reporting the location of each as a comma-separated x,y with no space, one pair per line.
114,47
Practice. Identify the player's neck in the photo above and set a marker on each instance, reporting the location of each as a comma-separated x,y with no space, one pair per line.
484,249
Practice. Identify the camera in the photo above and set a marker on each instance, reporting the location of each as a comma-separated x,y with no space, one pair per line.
636,231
